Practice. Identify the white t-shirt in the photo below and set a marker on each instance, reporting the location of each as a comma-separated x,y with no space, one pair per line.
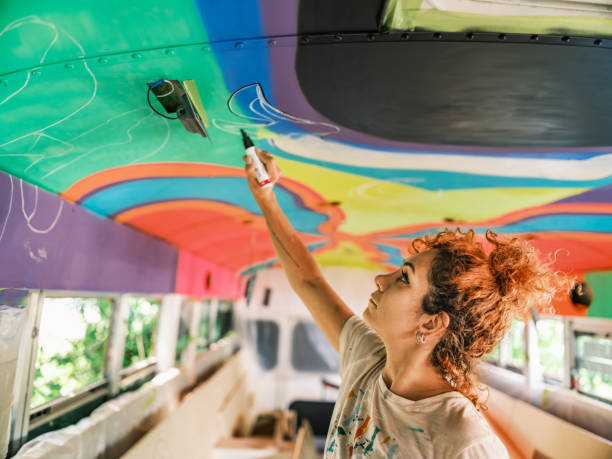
371,421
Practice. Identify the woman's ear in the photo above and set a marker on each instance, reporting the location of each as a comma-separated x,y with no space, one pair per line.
437,323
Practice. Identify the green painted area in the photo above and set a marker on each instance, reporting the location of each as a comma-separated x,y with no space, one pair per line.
601,284
93,116
78,116
29,28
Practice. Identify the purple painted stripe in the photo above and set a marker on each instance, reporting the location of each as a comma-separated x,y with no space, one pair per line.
49,243
602,195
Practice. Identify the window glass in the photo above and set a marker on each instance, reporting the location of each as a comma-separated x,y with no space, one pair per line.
493,356
551,347
142,321
13,305
183,337
310,350
72,341
13,314
225,319
248,290
263,334
594,365
517,345
203,338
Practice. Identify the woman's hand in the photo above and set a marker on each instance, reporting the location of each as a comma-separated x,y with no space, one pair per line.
274,172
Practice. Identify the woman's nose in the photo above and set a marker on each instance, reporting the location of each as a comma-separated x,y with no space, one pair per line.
379,280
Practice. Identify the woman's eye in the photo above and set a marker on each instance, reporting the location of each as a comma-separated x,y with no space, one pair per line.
405,278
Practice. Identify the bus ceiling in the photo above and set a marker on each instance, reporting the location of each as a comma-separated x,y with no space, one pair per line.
389,120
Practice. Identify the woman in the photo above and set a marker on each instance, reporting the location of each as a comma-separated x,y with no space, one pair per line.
406,371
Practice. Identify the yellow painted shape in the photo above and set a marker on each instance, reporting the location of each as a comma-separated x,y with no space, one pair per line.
194,96
454,21
376,205
348,254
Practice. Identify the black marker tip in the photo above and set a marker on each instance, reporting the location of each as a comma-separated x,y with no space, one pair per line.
246,139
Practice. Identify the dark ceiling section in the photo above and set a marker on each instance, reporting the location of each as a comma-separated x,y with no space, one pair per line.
334,16
462,93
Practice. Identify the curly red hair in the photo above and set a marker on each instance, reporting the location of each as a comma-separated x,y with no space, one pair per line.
481,293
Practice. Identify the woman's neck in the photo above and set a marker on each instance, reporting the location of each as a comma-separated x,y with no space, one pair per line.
413,376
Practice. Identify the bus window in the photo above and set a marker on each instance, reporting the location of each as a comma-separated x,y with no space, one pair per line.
225,319
517,345
141,325
594,365
72,342
264,335
203,338
551,348
310,350
493,356
183,338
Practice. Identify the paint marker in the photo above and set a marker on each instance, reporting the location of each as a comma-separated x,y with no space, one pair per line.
260,170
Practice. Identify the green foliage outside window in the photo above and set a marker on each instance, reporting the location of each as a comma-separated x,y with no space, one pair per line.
183,338
142,321
594,366
493,356
517,344
551,347
203,339
72,341
225,320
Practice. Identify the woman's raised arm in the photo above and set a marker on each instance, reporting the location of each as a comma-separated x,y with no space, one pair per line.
328,310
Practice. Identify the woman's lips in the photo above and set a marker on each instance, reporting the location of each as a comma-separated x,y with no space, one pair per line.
373,302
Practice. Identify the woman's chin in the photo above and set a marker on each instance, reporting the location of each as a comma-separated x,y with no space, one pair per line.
367,318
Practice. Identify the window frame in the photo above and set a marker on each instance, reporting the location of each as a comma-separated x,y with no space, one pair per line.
505,349
78,294
116,379
203,313
24,418
55,408
137,366
547,378
594,327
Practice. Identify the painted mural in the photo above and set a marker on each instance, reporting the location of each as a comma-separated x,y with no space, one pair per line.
74,121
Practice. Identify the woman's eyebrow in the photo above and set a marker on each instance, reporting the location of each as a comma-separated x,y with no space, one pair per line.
407,263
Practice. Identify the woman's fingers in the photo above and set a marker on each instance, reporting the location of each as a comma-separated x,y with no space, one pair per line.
268,161
261,192
249,168
263,155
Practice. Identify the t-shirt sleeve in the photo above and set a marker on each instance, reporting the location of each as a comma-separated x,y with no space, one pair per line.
484,449
359,344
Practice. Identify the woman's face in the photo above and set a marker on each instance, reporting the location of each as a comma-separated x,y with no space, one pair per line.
395,308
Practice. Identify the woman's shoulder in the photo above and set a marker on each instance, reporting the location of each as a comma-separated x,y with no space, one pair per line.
356,337
457,415
461,430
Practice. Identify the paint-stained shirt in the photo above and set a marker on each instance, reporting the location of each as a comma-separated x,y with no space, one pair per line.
371,421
